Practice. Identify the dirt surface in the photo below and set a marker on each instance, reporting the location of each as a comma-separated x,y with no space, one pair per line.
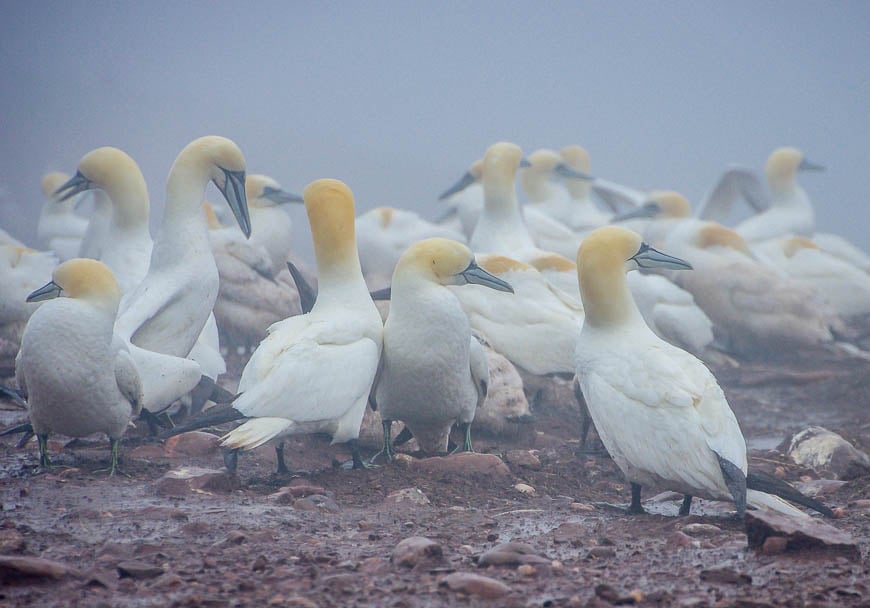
326,538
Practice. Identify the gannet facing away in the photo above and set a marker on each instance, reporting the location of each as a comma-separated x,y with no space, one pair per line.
313,373
21,271
78,379
59,228
466,197
659,411
433,372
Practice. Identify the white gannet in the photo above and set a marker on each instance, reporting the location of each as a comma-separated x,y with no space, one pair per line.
433,373
126,246
167,311
98,226
256,289
22,270
660,212
59,228
658,410
753,308
582,214
314,372
545,183
466,197
384,233
7,239
77,378
785,209
839,284
841,248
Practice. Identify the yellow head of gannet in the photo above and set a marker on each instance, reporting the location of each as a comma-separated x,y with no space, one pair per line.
602,261
782,167
577,158
792,245
82,279
661,204
500,164
446,262
716,235
263,191
545,165
217,159
330,207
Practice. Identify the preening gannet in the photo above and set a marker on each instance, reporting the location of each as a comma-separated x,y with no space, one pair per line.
433,372
659,411
59,228
78,379
314,372
126,246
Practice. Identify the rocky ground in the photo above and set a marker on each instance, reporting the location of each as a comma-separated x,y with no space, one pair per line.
526,522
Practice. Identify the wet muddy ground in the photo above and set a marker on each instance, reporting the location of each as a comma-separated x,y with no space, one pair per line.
326,538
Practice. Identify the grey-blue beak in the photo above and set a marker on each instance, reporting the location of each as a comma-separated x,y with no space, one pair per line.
77,184
806,165
647,257
464,182
279,197
564,171
233,190
524,163
647,210
49,291
477,275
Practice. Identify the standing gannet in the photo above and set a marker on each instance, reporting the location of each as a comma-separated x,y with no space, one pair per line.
785,209
167,311
77,378
313,373
126,246
59,228
433,372
659,411
466,197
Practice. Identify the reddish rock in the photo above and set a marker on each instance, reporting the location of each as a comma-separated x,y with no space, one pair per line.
138,570
413,496
192,443
417,550
185,480
511,554
725,574
463,463
774,545
474,584
802,534
524,458
11,541
23,568
288,494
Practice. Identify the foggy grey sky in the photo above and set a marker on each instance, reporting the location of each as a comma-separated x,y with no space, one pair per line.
396,98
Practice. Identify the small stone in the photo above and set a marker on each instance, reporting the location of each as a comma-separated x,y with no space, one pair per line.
317,502
779,472
556,565
138,570
527,570
259,564
524,458
169,581
463,463
725,574
416,550
192,443
863,504
839,512
774,545
681,539
511,554
188,480
18,568
236,537
602,552
701,529
11,541
288,494
413,496
581,506
569,533
802,534
475,584
524,488
346,583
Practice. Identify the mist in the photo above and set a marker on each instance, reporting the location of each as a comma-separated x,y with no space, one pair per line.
396,99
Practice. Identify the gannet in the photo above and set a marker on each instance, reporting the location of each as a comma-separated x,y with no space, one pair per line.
785,209
256,289
542,183
384,233
98,226
59,228
22,270
77,378
582,214
168,310
658,410
126,246
314,372
9,240
659,213
466,197
433,373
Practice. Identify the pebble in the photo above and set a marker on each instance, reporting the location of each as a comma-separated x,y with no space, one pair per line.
701,529
725,574
192,443
260,563
138,570
288,494
475,584
527,570
416,550
16,568
681,539
581,506
524,458
569,533
511,554
602,552
774,545
189,480
11,541
414,496
863,504
317,502
463,463
524,488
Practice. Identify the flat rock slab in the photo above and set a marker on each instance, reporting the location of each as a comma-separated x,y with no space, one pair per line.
417,550
463,463
474,584
801,534
192,443
511,554
187,480
23,568
138,570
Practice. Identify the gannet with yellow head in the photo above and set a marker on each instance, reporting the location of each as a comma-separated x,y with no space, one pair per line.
582,214
465,197
77,378
313,373
59,228
433,372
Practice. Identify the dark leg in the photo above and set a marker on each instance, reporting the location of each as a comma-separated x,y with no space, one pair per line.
635,508
404,437
44,460
387,450
687,504
736,482
231,459
357,458
154,423
585,423
282,466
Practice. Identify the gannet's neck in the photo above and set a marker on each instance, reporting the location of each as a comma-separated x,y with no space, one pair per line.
501,216
538,187
607,300
340,285
131,203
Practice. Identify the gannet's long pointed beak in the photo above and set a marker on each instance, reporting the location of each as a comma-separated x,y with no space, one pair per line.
647,210
233,190
77,184
49,291
647,257
279,197
476,274
525,163
806,165
464,182
563,170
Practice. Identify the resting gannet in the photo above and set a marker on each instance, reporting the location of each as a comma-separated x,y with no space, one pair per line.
785,209
543,180
466,197
313,373
582,214
59,228
660,212
77,377
433,373
659,411
126,246
169,308
22,270
98,226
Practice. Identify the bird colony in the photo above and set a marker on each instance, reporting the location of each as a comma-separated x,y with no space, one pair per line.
444,328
